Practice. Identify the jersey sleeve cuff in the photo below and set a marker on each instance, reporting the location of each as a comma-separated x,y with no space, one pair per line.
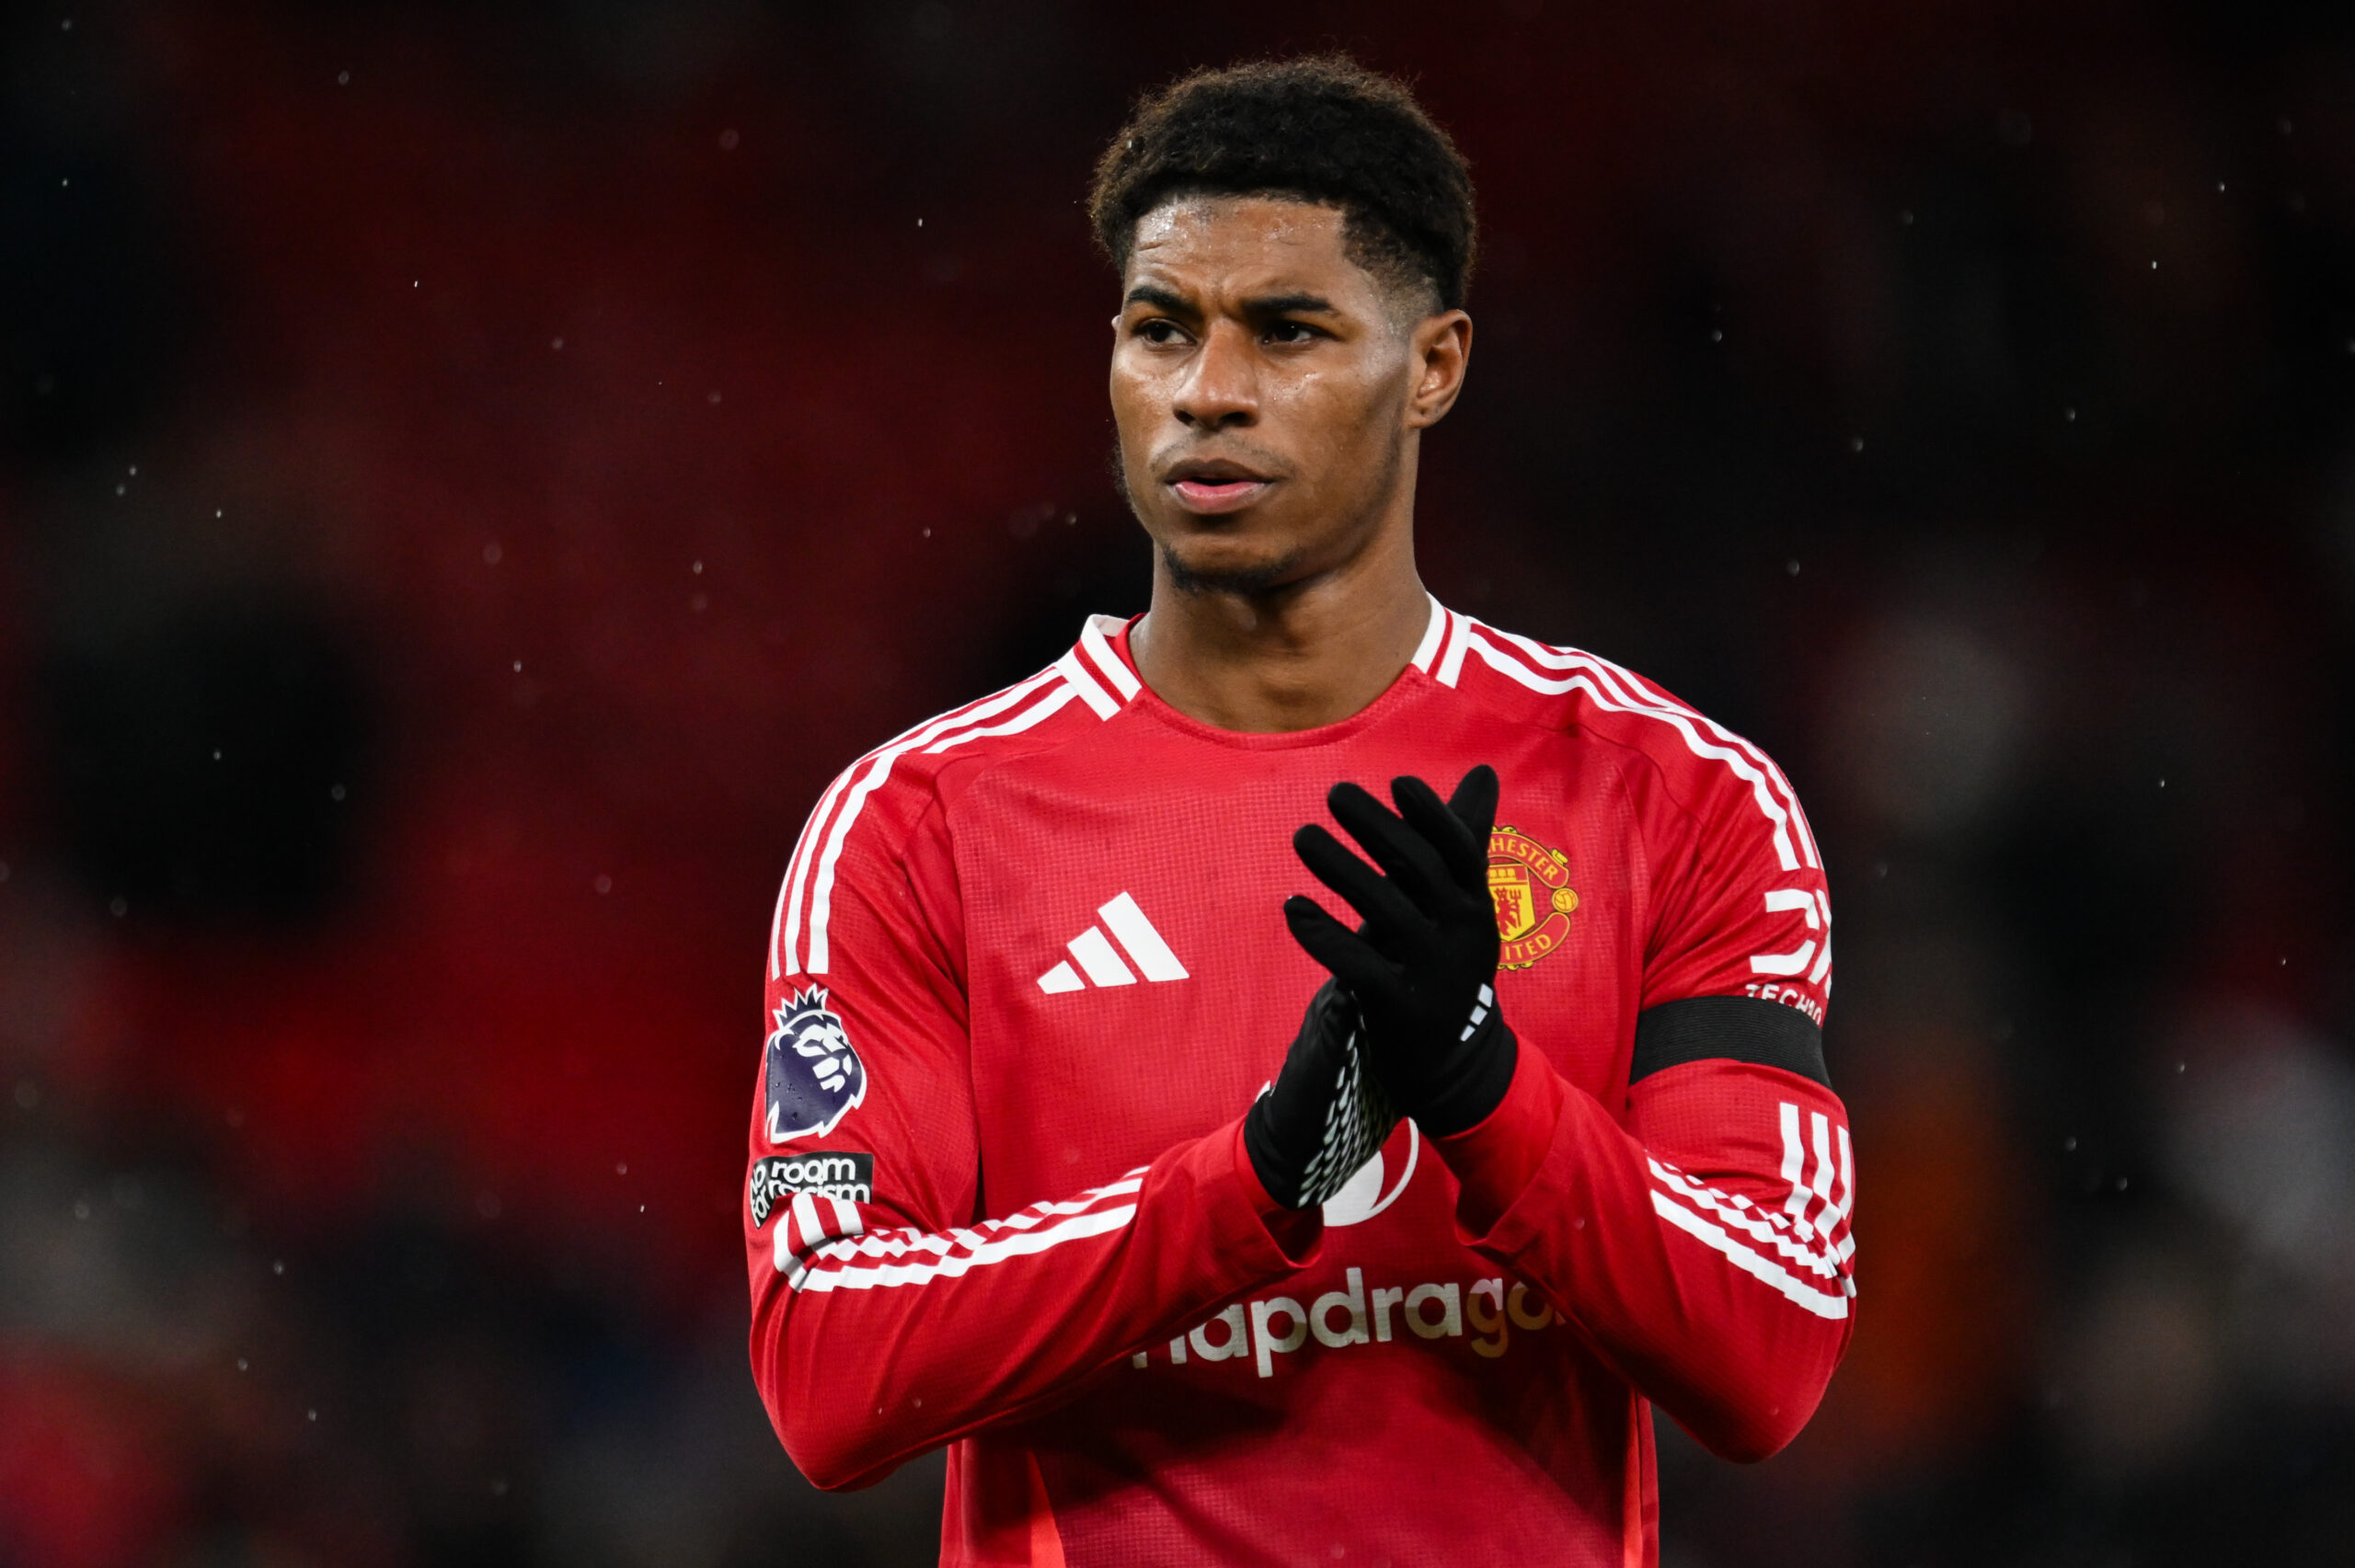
1297,1232
1496,1157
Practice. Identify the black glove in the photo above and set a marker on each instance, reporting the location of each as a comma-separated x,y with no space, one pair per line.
1423,967
1325,1116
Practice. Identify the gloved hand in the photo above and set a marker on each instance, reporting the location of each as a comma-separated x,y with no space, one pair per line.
1422,969
1325,1116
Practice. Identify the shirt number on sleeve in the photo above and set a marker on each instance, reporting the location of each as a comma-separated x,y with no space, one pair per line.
1817,909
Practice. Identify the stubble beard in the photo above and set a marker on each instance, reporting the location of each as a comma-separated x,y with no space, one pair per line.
1245,581
1249,582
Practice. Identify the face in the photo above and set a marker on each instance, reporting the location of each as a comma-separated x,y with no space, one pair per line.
1270,391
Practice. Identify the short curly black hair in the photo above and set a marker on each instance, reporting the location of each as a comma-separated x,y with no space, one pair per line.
1321,129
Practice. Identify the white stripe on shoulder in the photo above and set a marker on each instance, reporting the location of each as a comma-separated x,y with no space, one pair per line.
777,921
1638,692
1586,674
1036,712
1645,692
796,879
785,931
810,886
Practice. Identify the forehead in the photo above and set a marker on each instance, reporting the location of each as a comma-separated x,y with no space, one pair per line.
1246,244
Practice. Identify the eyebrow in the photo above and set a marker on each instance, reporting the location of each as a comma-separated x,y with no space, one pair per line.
1269,304
1146,294
1291,304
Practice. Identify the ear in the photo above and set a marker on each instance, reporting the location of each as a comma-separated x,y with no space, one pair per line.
1439,351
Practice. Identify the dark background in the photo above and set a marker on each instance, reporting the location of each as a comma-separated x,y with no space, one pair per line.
469,477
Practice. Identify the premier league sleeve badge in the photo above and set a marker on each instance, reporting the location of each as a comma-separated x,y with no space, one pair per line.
814,1077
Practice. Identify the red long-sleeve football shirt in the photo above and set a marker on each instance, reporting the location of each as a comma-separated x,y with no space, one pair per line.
1030,968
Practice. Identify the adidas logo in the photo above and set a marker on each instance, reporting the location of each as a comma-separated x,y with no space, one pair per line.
1101,962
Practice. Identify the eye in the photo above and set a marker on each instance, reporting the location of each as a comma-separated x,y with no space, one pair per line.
1159,329
1292,332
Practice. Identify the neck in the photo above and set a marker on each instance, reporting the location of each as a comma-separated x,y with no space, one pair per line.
1307,653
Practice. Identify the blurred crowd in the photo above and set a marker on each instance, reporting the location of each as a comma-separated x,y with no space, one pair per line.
468,477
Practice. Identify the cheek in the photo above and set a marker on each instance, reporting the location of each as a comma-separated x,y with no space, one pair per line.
1137,398
1343,415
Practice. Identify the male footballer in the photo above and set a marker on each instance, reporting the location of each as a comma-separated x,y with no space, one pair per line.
1301,1078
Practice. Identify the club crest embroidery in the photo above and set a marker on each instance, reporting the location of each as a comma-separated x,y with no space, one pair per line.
813,1075
1532,886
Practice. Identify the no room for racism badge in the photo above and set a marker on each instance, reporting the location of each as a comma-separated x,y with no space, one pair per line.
1532,886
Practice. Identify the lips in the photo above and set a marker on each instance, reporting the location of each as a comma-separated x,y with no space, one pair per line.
1215,487
1201,496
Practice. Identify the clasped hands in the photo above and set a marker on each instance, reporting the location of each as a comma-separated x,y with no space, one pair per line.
1409,1024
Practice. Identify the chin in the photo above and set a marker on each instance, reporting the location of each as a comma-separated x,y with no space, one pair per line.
1223,568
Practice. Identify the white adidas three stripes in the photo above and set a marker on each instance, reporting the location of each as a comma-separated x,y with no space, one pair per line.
1101,962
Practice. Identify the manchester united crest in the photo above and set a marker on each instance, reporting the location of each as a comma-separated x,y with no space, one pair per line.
1532,886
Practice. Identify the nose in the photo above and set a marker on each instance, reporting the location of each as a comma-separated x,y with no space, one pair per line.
1220,390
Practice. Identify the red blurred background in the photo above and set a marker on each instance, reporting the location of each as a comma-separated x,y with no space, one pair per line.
469,477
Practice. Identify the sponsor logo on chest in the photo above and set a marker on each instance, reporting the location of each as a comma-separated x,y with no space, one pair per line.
1339,1318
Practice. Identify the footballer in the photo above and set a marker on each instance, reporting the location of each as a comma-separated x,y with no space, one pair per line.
1304,1077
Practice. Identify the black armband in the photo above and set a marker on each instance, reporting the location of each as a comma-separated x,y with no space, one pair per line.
1732,1029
